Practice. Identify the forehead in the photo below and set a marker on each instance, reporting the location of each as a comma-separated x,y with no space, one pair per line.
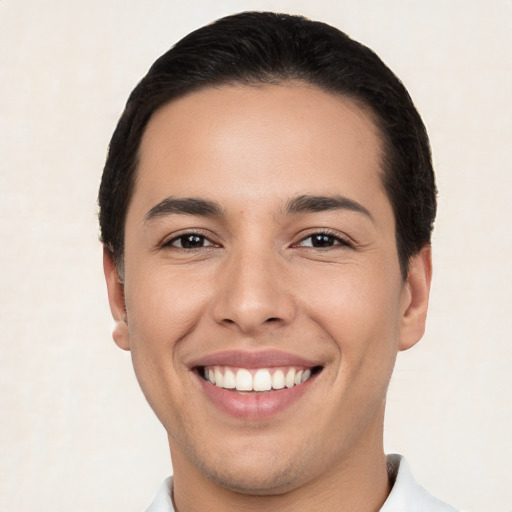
259,143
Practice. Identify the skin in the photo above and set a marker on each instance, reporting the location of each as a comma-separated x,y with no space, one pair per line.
258,283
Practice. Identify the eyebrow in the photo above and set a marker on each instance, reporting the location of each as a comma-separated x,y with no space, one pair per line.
184,206
312,204
207,208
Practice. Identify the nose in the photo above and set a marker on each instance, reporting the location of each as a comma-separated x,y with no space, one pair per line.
254,293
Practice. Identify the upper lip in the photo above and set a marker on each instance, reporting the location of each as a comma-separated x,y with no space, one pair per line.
253,359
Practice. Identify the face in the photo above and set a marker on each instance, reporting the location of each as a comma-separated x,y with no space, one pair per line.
262,299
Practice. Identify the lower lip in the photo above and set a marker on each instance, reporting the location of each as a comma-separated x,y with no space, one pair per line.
254,405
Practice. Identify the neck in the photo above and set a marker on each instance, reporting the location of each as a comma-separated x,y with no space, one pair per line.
358,483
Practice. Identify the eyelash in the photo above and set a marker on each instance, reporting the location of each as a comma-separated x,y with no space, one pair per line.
337,240
330,237
189,235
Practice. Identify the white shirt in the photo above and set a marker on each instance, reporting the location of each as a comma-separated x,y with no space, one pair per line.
406,495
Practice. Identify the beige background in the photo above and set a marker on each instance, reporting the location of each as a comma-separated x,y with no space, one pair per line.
75,432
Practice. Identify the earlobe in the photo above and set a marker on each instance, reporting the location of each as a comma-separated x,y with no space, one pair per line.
415,298
116,300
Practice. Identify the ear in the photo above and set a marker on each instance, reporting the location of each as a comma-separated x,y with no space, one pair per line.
415,298
116,300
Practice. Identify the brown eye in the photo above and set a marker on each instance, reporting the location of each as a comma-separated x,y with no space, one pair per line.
322,241
190,241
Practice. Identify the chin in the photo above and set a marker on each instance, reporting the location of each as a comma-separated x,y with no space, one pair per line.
261,470
255,480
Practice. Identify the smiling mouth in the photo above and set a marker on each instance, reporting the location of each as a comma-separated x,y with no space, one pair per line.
257,380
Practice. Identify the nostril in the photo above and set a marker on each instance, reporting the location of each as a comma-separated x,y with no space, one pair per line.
272,319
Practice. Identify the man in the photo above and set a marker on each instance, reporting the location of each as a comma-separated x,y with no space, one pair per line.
266,211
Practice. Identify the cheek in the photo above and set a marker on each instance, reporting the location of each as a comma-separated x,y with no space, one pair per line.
163,306
162,309
359,310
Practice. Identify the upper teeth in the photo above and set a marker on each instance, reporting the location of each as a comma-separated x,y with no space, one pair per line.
262,379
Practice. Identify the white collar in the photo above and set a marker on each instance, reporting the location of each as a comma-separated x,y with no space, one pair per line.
406,495
163,499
